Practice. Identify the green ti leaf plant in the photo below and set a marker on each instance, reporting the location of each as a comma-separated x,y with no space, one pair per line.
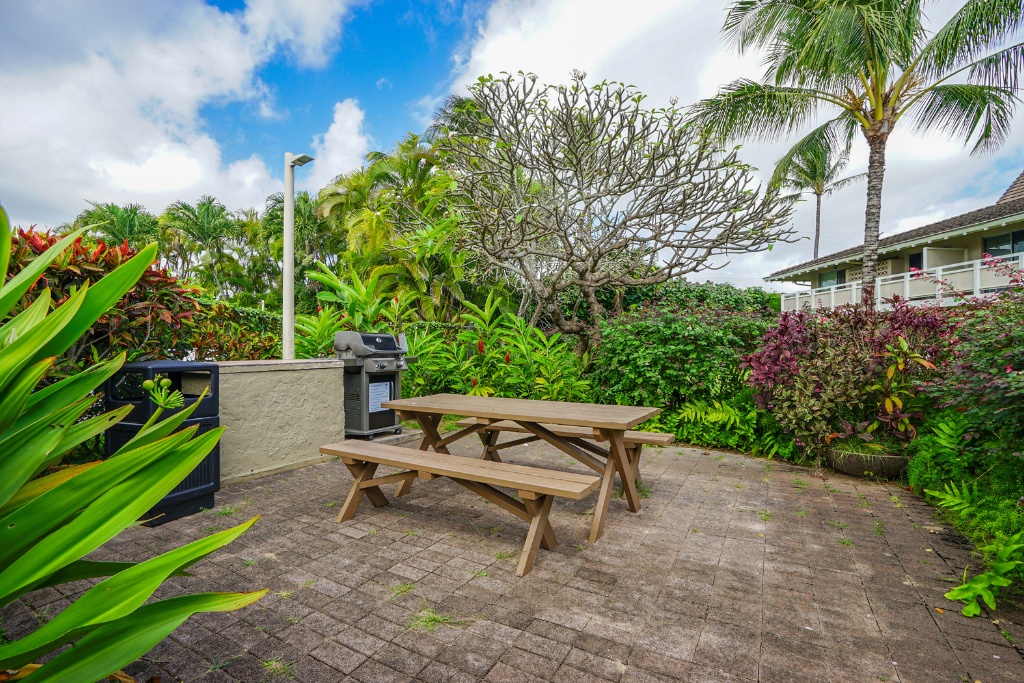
51,516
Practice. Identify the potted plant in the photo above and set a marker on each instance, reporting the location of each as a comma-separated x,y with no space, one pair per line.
875,448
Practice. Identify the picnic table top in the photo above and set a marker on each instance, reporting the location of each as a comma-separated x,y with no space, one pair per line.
593,415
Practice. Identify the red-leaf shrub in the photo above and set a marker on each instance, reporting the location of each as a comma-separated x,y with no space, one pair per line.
820,373
148,323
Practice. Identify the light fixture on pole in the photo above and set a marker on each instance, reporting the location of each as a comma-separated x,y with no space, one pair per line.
288,277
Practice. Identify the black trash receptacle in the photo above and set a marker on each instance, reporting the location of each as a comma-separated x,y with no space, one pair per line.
196,491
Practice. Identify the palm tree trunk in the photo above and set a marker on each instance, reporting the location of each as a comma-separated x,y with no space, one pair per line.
817,224
873,216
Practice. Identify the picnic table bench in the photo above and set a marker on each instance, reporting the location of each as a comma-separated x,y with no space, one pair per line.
634,441
535,487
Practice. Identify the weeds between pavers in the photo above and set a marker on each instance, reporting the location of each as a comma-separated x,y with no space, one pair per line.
428,620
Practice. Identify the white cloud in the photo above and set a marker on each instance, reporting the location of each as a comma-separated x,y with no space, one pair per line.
102,102
675,48
342,148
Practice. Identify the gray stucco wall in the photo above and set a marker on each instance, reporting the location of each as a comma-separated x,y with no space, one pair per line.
277,414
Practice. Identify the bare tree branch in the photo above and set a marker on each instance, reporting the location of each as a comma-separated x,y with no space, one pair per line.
583,187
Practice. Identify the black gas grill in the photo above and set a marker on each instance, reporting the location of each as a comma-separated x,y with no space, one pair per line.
373,375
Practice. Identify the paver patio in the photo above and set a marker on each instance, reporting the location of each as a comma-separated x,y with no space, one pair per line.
735,570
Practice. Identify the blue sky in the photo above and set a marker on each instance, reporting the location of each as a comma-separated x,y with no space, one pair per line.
150,102
391,54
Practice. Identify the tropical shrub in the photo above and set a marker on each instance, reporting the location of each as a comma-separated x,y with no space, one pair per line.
493,353
220,331
835,373
684,346
314,334
944,451
735,423
986,373
51,517
149,322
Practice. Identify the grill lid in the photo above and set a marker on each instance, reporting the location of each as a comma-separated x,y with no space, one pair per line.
362,344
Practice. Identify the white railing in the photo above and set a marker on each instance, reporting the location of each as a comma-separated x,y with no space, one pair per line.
972,278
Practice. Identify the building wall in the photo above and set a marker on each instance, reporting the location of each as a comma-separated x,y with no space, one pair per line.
277,414
972,243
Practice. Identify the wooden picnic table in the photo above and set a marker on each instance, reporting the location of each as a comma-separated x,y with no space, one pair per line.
608,424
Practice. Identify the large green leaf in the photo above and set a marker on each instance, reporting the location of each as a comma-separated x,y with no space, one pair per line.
33,314
25,349
86,569
13,401
105,517
22,452
38,487
5,245
68,390
12,292
82,431
108,648
31,523
101,296
113,598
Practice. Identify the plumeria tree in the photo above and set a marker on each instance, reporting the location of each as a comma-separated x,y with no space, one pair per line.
871,65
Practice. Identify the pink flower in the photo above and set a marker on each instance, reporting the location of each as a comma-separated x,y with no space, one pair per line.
1009,368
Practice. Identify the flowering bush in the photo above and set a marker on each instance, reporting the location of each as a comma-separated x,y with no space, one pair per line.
986,374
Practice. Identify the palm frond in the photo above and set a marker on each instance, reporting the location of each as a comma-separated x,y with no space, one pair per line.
1001,69
964,111
843,183
828,142
977,27
748,109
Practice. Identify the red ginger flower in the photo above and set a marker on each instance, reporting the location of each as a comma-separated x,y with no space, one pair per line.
480,345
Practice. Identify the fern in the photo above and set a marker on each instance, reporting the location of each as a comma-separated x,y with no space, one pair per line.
986,586
956,499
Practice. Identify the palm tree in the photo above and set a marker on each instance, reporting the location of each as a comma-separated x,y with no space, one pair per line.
209,225
871,63
814,170
118,224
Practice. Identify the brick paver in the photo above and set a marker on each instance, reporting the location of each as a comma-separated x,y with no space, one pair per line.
737,569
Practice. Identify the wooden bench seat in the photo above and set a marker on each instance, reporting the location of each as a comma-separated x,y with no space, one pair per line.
535,487
633,441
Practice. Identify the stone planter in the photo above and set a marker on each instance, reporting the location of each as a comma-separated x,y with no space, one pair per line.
881,465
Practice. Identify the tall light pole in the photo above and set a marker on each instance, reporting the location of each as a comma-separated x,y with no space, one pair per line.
288,278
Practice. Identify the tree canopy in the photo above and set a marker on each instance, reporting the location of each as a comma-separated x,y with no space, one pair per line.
578,187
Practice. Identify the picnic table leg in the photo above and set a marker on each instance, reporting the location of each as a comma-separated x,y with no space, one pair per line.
617,451
617,462
361,471
539,530
489,438
428,423
604,495
634,460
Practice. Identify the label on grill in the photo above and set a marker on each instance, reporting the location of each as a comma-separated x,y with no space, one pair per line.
380,392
